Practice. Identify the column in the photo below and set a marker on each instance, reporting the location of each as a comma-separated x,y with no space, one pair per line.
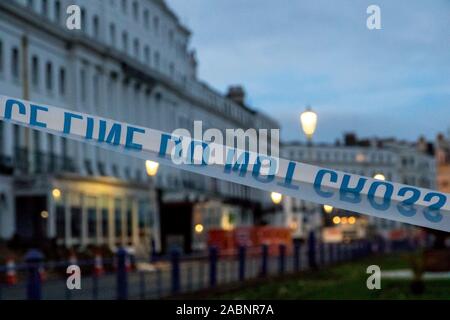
135,222
98,213
123,215
67,219
111,226
51,221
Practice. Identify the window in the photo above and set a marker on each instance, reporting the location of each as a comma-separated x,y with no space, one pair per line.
95,24
125,41
172,70
45,7
118,219
147,55
49,76
62,81
92,220
15,63
171,37
136,11
105,221
129,219
136,48
60,221
58,11
83,20
35,72
124,6
146,19
112,33
30,4
156,25
156,59
83,85
75,213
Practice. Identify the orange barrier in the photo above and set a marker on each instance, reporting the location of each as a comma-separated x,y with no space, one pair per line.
98,265
228,241
11,274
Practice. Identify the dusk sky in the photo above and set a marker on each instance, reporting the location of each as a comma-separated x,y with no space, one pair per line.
389,82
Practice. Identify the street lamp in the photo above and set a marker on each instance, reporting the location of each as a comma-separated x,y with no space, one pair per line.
56,193
327,208
198,228
308,120
153,233
151,167
379,176
276,197
336,220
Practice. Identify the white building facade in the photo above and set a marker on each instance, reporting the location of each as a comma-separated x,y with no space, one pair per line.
396,161
131,62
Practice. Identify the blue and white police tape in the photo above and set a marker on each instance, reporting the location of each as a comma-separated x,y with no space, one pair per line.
394,201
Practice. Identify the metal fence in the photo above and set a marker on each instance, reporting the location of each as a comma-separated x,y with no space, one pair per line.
177,274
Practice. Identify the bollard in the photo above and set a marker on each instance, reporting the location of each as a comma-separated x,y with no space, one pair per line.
312,250
122,276
212,266
281,258
34,258
175,259
242,253
297,249
265,256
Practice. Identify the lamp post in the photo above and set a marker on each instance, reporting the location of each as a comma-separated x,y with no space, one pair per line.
308,120
151,167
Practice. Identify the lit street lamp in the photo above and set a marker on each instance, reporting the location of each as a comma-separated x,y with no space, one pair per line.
327,208
151,167
308,120
379,176
276,197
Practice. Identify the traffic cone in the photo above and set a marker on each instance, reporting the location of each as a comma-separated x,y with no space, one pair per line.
11,274
98,265
128,266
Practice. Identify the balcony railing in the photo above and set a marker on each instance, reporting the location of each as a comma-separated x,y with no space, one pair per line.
43,163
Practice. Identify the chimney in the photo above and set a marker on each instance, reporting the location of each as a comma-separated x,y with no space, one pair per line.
237,94
350,139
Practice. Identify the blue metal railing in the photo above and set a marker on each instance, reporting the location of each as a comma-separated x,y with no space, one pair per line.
180,274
